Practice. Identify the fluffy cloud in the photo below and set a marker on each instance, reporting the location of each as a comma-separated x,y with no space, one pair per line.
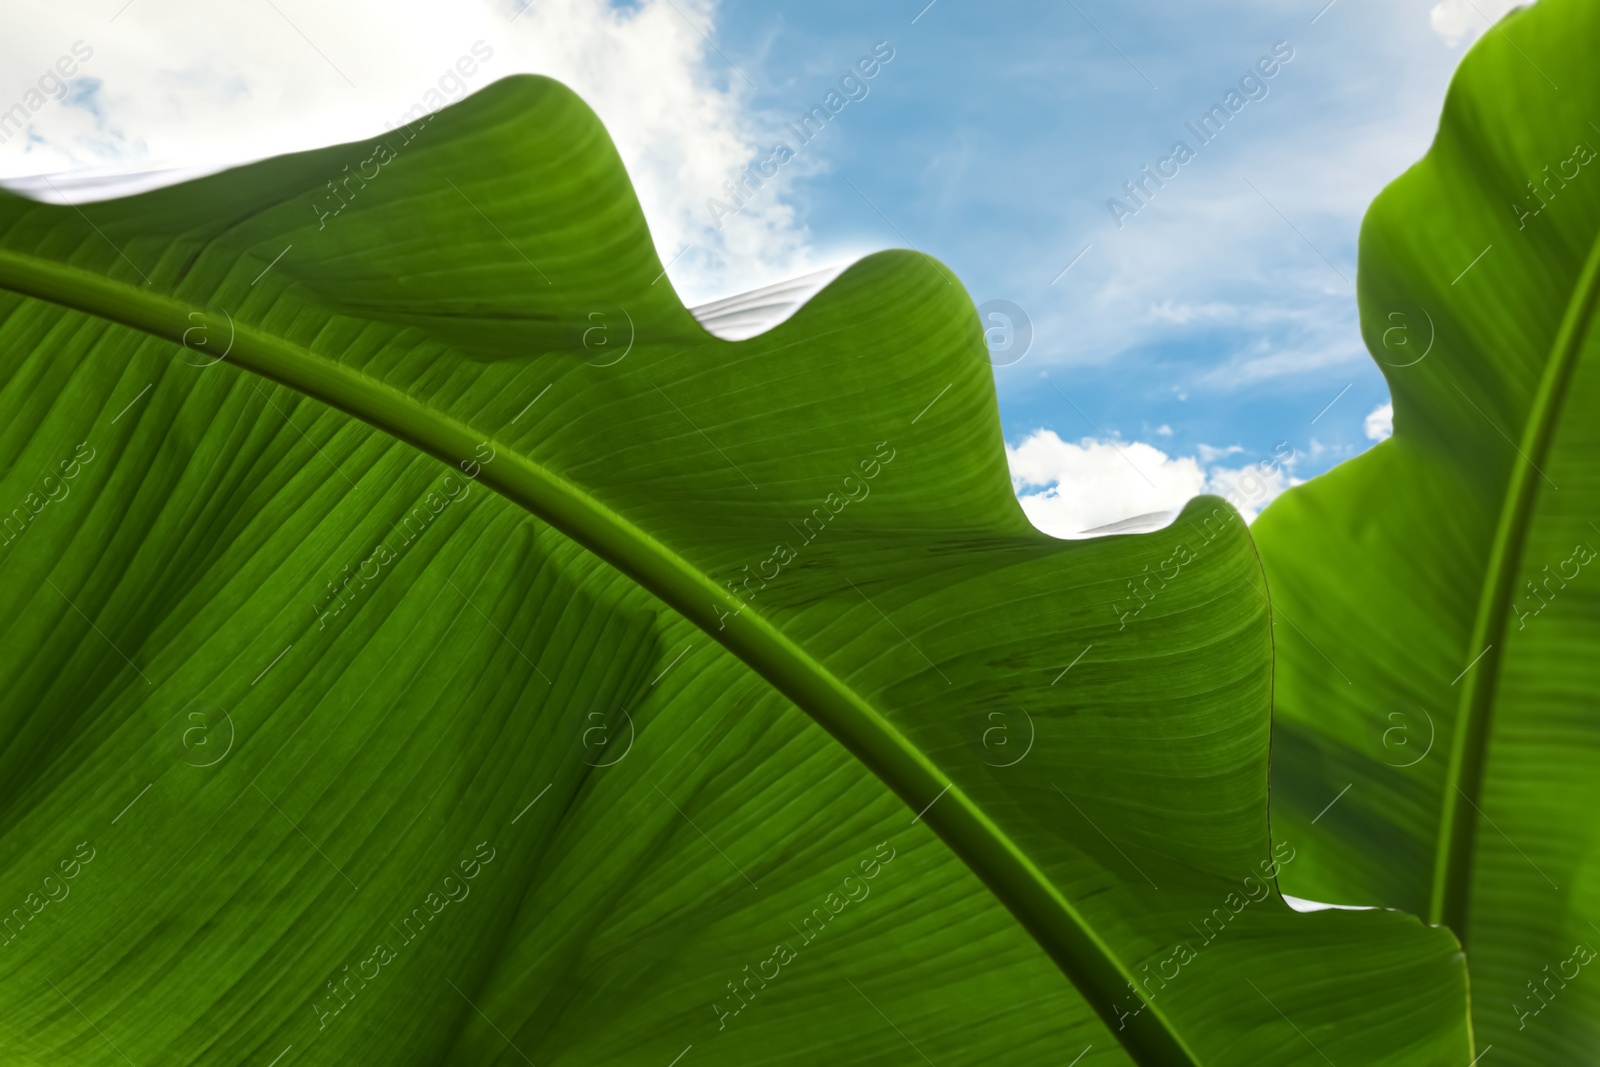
1251,487
1380,422
1208,454
1259,276
184,84
1068,489
1455,20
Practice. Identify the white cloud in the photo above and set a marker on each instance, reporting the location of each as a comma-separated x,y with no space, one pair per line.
1209,454
1067,488
1182,314
1259,276
1264,362
1079,486
1336,452
1380,422
1454,20
178,83
1251,487
1164,430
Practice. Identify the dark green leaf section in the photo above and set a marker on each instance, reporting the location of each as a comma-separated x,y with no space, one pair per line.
622,672
1440,583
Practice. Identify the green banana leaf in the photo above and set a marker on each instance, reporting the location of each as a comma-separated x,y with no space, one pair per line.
1436,686
426,644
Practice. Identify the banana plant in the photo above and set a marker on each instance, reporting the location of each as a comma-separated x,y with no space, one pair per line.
426,644
1436,674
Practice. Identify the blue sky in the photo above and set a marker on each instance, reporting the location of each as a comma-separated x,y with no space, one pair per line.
1216,321
1224,309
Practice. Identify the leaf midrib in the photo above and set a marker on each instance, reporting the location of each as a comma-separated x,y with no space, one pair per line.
1064,934
1453,864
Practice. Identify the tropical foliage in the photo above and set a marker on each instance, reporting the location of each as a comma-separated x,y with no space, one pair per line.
1441,613
426,644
